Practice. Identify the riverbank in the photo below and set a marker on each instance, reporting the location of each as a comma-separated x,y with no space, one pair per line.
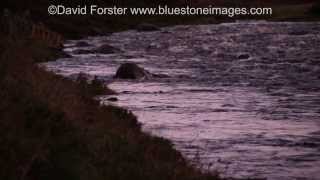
51,128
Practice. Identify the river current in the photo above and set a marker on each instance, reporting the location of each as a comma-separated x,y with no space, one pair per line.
240,98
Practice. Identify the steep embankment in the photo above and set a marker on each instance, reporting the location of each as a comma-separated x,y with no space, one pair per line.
51,128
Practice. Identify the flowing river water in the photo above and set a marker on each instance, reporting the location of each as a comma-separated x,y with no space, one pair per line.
240,98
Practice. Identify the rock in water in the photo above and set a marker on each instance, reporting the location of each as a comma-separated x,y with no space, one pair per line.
107,49
82,44
147,27
104,49
244,56
82,51
112,99
131,71
298,33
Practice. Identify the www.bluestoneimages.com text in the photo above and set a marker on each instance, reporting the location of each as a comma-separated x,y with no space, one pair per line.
160,10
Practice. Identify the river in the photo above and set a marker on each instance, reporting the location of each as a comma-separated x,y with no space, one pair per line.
241,98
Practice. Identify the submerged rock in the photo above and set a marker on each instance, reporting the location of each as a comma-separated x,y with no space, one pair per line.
107,49
147,27
244,56
298,33
131,71
82,44
160,75
82,51
112,99
104,49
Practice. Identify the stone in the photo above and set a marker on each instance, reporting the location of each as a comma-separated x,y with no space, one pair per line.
131,71
82,44
112,99
243,56
160,75
107,49
83,51
298,33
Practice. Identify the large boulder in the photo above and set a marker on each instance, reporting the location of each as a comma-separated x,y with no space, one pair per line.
147,27
131,71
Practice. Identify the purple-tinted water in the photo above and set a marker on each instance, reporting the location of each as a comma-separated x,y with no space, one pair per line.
255,116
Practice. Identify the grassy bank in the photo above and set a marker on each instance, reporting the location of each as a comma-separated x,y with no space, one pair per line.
51,128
